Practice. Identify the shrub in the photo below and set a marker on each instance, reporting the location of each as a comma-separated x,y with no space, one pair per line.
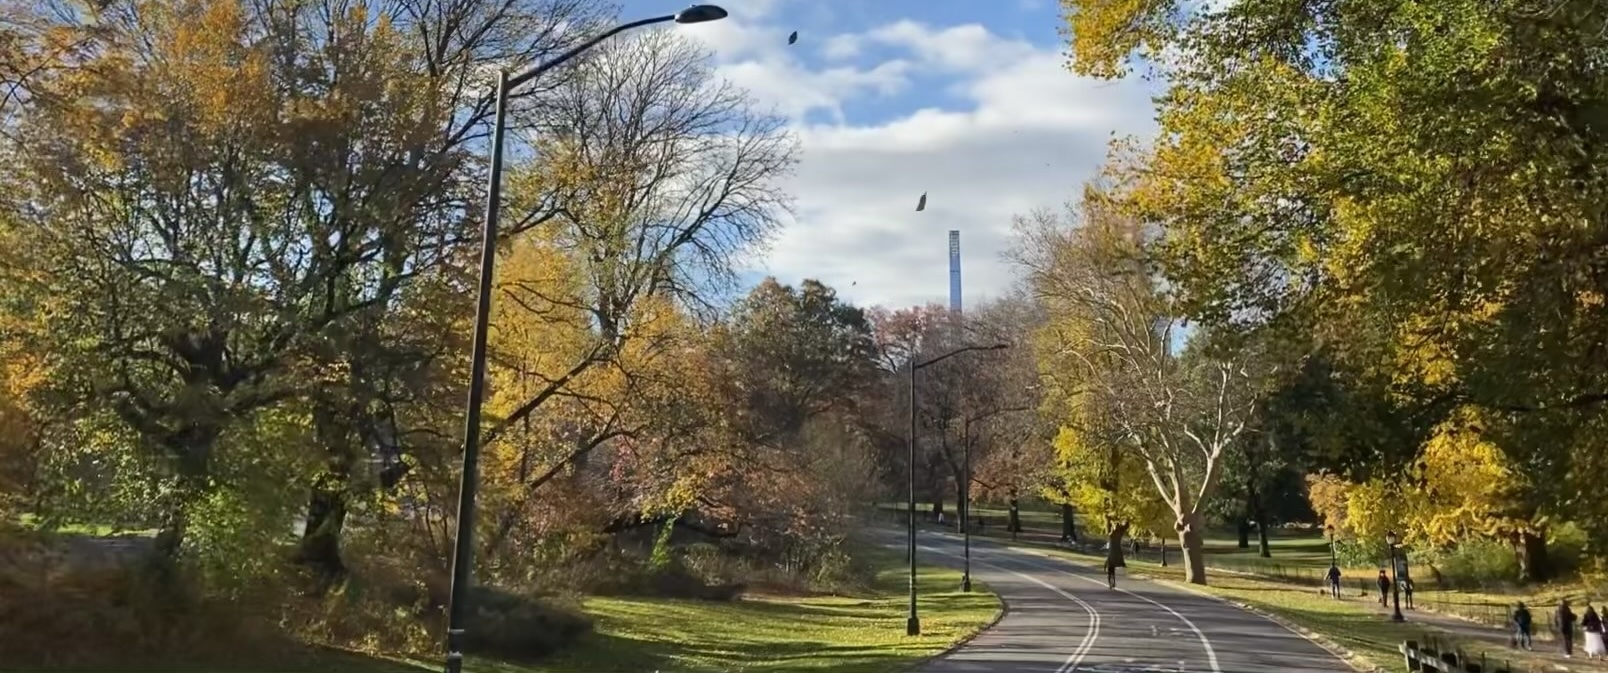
1354,553
672,579
76,614
520,627
1475,564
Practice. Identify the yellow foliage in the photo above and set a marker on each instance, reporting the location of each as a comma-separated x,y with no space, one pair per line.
1327,493
1108,487
1466,479
1373,508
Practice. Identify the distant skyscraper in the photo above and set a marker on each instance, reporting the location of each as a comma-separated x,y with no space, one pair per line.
954,270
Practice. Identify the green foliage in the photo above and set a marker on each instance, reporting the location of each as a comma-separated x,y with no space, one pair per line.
660,558
1361,553
1414,189
1474,564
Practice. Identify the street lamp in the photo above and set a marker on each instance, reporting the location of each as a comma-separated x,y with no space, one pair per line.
1391,539
913,622
965,487
463,546
1333,559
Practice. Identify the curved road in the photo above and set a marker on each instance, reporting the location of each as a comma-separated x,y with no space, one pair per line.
1060,618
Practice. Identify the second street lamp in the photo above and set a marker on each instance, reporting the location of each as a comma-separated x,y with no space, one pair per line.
965,486
1391,540
913,622
463,545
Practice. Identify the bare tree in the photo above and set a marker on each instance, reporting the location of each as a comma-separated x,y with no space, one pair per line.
1113,327
659,178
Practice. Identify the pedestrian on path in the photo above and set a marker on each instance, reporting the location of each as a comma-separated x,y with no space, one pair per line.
1111,572
1521,627
1407,590
1334,580
1591,623
1565,623
1384,587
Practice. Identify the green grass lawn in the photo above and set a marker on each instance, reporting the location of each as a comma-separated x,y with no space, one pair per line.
842,635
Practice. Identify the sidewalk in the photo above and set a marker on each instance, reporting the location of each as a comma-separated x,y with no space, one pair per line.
1547,655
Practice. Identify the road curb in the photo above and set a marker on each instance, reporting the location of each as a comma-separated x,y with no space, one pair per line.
1004,608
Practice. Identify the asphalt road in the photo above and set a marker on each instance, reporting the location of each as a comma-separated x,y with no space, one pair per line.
1060,618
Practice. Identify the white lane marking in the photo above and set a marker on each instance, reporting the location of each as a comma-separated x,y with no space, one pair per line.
1268,618
1211,654
1089,636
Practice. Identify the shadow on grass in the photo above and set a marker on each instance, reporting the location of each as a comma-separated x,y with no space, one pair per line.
317,660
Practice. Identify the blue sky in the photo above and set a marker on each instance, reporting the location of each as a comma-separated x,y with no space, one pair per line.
964,99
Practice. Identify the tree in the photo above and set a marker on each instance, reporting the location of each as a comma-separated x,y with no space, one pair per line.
647,202
795,354
1103,480
241,194
1419,189
905,337
997,395
650,207
1112,330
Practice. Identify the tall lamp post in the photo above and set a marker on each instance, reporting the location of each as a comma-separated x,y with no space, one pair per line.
1333,558
965,487
913,622
463,546
1391,540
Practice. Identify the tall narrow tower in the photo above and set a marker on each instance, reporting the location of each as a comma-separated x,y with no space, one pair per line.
954,270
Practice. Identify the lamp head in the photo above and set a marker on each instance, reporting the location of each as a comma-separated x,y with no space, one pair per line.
700,14
1391,538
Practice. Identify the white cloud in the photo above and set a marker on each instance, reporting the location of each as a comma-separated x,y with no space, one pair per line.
1016,131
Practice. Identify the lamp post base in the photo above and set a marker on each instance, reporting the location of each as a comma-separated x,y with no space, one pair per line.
913,626
1397,617
965,583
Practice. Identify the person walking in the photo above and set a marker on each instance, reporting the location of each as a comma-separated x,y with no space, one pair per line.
1591,624
1334,580
1521,627
1564,620
1384,587
1407,590
1111,572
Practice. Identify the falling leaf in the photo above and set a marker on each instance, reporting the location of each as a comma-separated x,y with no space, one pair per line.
922,204
792,38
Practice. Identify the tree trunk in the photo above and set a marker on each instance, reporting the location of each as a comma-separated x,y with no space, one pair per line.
1164,552
1243,527
1114,545
170,536
320,548
1193,546
962,506
1069,527
1253,503
1016,516
1534,562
